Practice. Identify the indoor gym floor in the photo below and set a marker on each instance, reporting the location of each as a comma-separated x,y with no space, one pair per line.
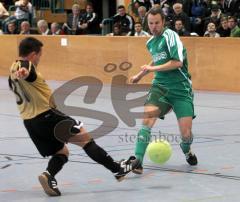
215,179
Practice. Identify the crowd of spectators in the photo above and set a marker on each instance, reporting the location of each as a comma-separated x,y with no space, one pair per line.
208,18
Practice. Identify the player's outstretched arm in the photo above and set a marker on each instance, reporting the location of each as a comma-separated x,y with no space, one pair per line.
136,78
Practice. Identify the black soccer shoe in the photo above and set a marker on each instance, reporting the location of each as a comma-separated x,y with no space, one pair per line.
191,158
138,170
49,184
126,166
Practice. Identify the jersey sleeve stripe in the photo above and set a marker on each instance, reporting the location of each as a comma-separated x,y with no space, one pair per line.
149,40
179,47
167,41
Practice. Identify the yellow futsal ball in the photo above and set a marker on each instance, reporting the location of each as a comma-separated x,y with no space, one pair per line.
159,151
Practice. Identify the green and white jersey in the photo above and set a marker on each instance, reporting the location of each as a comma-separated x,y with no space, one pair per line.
164,48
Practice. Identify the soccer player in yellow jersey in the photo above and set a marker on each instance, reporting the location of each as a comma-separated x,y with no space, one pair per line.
48,128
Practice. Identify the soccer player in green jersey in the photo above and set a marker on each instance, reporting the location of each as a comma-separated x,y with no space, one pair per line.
171,87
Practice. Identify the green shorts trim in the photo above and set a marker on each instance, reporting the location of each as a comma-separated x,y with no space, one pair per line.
177,96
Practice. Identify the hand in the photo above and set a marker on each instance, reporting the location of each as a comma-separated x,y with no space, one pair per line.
84,25
22,73
135,79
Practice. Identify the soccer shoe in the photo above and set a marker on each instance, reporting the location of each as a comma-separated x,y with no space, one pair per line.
126,166
191,158
138,170
49,184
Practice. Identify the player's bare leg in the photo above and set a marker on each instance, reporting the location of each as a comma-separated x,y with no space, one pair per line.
73,132
185,126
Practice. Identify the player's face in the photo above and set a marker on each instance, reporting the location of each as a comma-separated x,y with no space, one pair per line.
36,57
155,24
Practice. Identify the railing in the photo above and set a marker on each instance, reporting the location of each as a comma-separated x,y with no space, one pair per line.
107,26
56,6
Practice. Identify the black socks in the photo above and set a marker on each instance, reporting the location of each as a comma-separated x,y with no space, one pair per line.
99,155
56,163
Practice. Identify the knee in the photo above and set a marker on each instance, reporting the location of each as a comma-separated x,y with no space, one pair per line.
86,141
149,121
64,151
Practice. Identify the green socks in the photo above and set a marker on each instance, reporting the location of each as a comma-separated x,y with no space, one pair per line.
143,139
186,144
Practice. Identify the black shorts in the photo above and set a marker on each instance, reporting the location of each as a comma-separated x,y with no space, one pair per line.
41,131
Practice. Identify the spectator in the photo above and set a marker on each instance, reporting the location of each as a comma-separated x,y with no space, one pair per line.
139,31
11,28
211,31
71,26
88,22
125,21
214,17
223,29
116,31
55,29
142,18
179,14
23,10
232,24
26,29
179,28
133,9
43,27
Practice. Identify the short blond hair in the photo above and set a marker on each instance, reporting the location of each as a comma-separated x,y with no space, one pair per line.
76,6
